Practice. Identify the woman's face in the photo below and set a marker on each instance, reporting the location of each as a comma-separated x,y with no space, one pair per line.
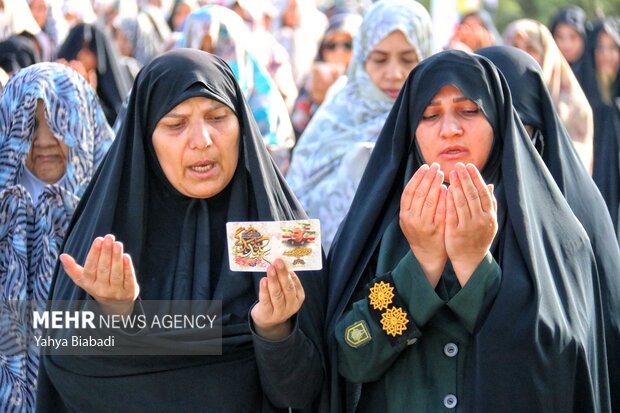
47,159
337,48
390,62
180,14
569,42
38,8
607,55
197,145
453,129
291,16
522,42
207,44
123,43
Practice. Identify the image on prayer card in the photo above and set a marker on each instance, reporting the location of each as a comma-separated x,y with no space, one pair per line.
252,246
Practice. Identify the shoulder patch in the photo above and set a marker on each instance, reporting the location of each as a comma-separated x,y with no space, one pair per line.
357,334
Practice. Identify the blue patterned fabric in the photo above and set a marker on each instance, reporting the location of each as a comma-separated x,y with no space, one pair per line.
231,41
31,231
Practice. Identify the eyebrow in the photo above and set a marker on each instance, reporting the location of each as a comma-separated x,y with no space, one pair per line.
215,106
455,100
382,52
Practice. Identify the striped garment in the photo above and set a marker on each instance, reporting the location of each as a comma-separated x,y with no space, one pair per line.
31,231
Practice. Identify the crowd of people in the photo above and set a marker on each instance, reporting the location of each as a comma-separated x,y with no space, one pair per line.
468,195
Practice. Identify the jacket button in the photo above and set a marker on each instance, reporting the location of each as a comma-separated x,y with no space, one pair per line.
450,349
450,401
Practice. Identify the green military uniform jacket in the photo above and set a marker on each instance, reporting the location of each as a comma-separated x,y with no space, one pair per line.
407,342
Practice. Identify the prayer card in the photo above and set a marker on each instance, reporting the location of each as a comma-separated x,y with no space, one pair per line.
252,246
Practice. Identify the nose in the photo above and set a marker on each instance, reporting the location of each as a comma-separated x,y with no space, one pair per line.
395,72
450,126
200,137
44,138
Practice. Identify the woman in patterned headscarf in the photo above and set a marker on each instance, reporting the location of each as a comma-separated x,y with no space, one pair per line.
53,134
334,148
568,98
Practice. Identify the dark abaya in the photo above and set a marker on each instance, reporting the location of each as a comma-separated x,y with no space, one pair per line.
178,253
538,344
113,83
535,107
606,168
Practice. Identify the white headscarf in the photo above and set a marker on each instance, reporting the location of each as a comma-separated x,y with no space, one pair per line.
16,18
334,148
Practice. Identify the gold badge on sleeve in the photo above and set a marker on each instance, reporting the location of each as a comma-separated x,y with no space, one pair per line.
381,295
357,334
394,321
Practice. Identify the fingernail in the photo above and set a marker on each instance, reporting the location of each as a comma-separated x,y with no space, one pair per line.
271,272
280,264
434,167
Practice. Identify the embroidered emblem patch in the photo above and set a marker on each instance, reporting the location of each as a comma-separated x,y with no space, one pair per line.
394,321
357,334
381,295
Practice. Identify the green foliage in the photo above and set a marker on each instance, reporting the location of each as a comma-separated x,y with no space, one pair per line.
543,10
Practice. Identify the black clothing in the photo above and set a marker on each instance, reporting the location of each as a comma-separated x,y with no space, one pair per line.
176,246
606,167
575,17
535,107
113,82
539,345
18,52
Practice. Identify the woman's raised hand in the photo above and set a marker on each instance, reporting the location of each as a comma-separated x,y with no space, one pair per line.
108,275
471,220
422,219
280,296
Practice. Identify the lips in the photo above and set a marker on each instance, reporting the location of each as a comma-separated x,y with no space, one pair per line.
48,158
202,166
453,150
393,93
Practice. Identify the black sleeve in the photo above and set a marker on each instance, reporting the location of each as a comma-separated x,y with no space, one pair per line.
291,370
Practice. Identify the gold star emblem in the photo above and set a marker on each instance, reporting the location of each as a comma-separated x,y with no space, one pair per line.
381,295
394,321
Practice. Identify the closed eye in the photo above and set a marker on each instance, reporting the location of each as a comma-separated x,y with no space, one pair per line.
470,111
217,118
175,126
429,116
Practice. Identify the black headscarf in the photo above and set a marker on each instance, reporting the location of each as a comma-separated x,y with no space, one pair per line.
18,52
539,344
535,107
606,168
575,17
113,83
176,242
